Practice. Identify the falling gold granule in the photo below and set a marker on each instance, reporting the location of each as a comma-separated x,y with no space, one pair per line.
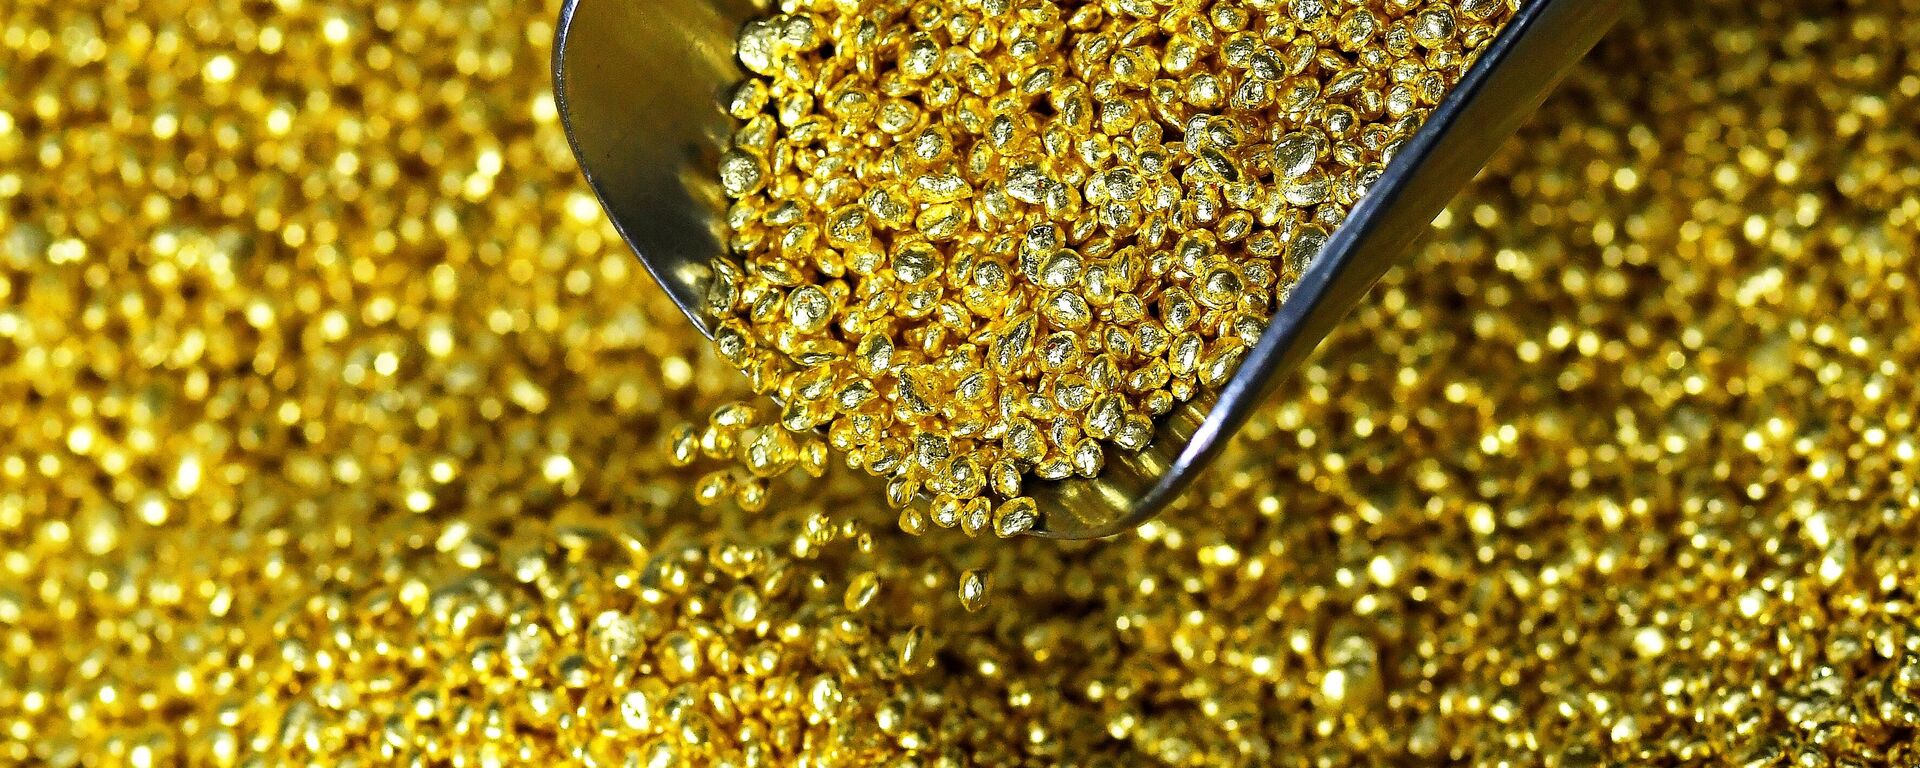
978,242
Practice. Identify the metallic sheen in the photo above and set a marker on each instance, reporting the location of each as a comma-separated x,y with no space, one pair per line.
637,84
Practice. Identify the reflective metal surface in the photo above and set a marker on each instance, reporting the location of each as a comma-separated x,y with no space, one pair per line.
637,83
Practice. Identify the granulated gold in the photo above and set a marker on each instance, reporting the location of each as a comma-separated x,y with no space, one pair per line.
332,414
980,242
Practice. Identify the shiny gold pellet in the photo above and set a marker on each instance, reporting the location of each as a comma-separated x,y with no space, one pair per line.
974,585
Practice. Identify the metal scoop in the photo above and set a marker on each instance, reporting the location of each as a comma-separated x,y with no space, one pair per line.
637,83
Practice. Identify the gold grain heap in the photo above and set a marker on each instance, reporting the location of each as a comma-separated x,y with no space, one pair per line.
978,241
330,410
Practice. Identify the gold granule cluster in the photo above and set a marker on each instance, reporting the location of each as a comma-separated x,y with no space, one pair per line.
984,240
332,409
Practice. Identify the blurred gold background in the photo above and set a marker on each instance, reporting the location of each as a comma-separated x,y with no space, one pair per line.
331,410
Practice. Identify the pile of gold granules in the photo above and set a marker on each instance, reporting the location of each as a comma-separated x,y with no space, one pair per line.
986,240
331,412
